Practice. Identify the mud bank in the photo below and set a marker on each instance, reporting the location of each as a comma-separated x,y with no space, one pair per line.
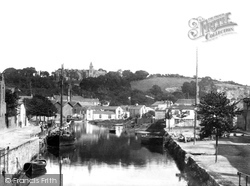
194,174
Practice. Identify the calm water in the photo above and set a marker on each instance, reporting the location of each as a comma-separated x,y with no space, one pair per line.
101,158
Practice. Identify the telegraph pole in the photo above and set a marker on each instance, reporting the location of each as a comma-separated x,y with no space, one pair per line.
196,97
61,112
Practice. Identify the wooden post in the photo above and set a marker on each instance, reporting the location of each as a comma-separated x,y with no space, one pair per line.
196,97
61,118
216,146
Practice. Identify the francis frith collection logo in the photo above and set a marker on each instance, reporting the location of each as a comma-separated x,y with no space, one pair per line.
211,28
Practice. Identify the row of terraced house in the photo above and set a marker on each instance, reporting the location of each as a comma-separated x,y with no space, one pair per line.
91,109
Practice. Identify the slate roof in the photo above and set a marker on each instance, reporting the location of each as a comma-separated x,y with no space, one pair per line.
162,103
185,102
103,112
113,108
182,107
136,106
76,98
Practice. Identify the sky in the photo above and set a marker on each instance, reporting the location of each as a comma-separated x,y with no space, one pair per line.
123,34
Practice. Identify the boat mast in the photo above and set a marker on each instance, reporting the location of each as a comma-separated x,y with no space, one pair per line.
61,113
196,96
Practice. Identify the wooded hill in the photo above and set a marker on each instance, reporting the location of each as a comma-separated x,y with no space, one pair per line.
120,88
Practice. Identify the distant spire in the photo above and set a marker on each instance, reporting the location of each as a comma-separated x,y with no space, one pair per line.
91,65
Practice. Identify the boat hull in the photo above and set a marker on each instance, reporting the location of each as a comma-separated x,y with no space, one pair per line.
58,140
150,139
112,131
35,167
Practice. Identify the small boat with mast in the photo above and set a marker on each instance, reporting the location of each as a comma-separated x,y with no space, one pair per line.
60,136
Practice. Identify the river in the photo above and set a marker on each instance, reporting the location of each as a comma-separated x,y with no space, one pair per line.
102,158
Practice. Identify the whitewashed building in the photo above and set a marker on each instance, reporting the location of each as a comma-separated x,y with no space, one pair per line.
104,113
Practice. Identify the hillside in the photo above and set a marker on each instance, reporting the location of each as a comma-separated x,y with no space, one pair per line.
171,84
167,84
233,91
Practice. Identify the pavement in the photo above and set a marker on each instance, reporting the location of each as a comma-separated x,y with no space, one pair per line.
17,136
233,156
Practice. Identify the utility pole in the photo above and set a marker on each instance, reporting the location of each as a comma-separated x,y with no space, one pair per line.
196,97
61,113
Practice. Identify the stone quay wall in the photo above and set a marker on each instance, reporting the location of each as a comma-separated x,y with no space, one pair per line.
192,171
13,160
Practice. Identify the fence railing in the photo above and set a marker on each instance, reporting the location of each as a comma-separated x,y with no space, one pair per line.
4,158
241,177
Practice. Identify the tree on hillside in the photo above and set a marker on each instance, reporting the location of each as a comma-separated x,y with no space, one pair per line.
28,72
139,97
11,99
216,114
206,84
189,88
40,106
156,90
141,74
178,95
128,75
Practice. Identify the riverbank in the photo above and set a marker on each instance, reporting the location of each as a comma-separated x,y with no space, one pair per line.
233,157
17,146
17,136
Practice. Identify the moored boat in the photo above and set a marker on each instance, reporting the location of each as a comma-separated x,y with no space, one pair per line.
112,130
151,137
60,137
35,167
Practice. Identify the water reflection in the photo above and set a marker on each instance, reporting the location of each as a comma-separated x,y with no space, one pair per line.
102,158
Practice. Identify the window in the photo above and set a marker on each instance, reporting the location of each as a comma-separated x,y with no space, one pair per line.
100,116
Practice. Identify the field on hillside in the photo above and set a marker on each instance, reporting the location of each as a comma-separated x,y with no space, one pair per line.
171,84
168,84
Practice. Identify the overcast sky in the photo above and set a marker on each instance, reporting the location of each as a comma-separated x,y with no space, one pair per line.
128,35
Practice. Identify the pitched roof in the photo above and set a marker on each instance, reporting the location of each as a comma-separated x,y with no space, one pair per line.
73,103
162,103
182,107
103,112
185,102
76,98
65,103
82,99
136,106
113,108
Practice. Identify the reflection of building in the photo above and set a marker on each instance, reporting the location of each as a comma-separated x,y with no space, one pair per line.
2,103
